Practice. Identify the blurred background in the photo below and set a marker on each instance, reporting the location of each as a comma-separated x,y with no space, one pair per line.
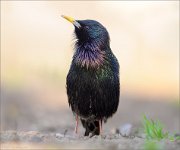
37,48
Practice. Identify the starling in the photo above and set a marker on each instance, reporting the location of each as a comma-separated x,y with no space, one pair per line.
93,79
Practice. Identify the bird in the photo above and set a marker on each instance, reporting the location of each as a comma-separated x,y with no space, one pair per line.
92,83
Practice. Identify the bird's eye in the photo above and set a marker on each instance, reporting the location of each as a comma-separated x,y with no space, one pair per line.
86,27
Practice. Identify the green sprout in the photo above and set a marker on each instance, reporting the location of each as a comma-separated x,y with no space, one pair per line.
154,129
152,145
177,138
173,138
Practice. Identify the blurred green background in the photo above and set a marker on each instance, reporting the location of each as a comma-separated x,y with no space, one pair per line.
37,48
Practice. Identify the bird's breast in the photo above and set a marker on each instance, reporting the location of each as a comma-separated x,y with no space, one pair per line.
93,92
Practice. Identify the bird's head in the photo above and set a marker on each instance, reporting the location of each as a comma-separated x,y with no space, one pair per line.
89,30
92,45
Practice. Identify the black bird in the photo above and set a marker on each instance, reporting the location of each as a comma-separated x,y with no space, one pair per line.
93,79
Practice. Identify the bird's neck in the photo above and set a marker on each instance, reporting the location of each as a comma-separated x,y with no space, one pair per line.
90,54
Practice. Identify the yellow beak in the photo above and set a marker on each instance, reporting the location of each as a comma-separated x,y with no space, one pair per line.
72,20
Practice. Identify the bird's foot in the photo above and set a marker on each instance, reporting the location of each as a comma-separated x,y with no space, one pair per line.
76,127
100,127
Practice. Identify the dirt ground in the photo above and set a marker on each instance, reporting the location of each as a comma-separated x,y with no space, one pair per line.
36,140
29,123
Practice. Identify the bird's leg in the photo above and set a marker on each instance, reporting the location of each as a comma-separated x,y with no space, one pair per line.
100,127
76,127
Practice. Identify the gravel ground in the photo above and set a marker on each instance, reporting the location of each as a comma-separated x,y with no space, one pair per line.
36,140
28,123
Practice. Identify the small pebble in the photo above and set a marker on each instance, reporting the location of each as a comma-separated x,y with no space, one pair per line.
126,129
58,135
115,131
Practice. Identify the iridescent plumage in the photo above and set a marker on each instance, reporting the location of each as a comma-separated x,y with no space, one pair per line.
93,78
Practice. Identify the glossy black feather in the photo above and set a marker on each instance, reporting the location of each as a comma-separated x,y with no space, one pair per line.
93,78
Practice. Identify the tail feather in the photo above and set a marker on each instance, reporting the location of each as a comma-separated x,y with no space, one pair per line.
91,126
